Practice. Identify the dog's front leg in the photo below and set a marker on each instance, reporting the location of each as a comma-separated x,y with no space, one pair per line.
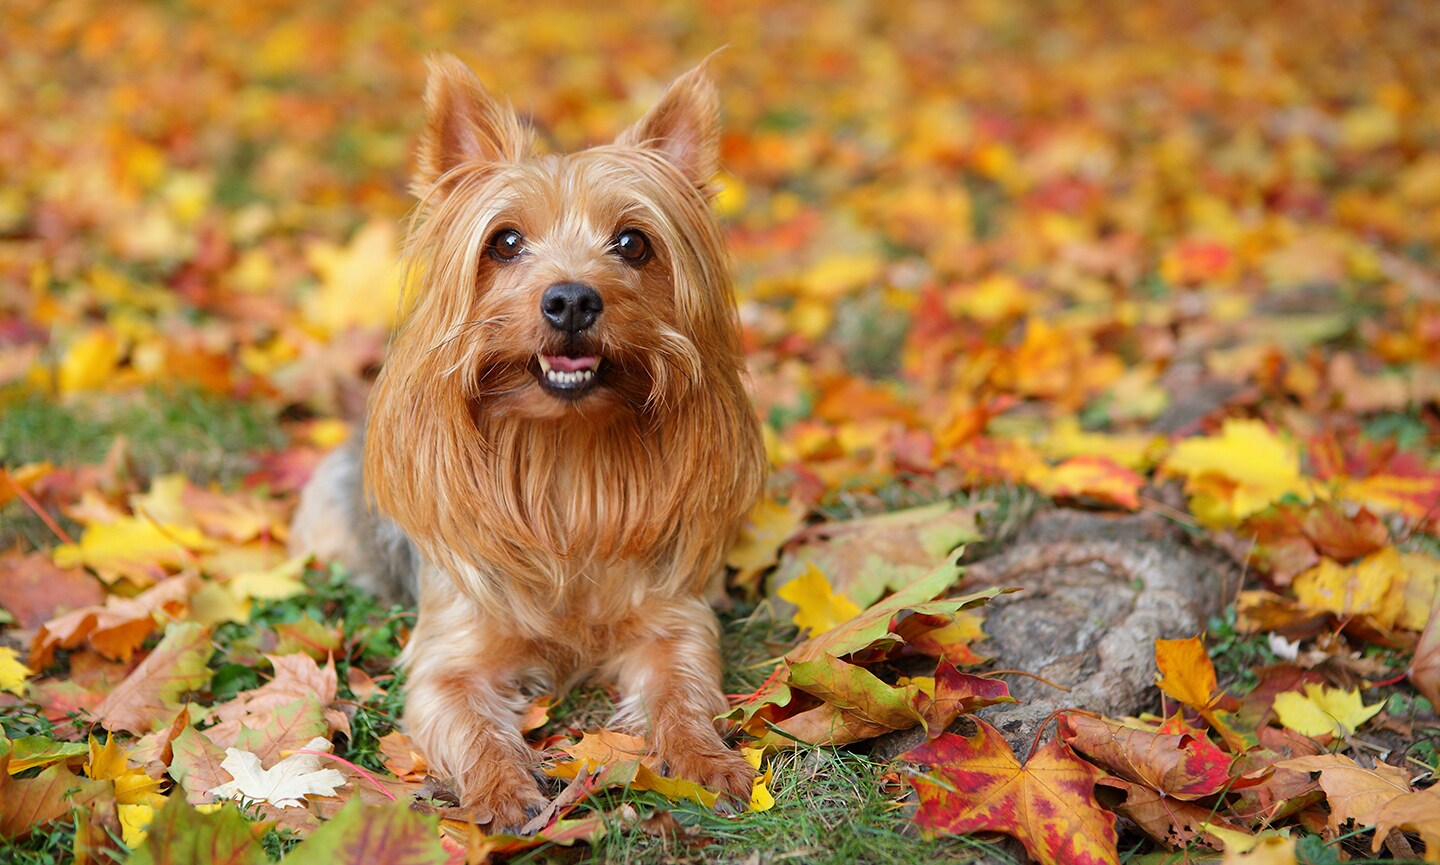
463,712
670,682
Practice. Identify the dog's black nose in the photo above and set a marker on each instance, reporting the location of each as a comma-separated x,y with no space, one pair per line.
571,306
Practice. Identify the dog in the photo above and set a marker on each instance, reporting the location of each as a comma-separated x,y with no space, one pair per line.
559,448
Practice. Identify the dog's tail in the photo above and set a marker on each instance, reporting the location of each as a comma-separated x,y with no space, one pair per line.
336,522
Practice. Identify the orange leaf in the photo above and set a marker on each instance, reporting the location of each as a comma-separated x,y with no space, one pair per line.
1089,477
1186,672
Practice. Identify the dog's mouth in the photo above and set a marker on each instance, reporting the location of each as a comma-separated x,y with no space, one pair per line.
567,377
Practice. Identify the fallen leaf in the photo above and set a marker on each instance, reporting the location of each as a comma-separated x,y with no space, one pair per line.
818,608
1414,812
28,803
285,784
1354,793
1186,672
1089,477
1184,766
132,786
297,680
287,727
13,673
1238,473
1173,822
134,548
975,784
180,835
1424,669
767,528
34,590
865,558
1372,587
621,760
28,752
196,765
115,629
1323,711
177,665
392,834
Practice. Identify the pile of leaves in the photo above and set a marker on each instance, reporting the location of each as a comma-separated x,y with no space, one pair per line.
1174,258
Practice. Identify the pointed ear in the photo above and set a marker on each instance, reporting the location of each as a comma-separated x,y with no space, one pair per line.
684,127
464,123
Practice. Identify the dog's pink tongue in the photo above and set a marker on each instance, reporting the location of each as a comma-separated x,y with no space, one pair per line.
571,364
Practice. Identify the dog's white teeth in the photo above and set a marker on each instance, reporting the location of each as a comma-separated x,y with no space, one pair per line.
544,364
578,376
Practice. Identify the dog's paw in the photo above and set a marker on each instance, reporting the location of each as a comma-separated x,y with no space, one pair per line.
503,801
723,771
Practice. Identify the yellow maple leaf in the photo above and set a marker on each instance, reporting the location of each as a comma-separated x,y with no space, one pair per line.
132,787
818,607
760,797
213,603
133,548
360,282
770,524
1422,583
274,583
13,673
161,503
135,821
1238,473
1371,587
89,361
1067,439
1323,711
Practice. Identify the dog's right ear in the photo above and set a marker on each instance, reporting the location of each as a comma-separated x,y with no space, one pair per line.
464,123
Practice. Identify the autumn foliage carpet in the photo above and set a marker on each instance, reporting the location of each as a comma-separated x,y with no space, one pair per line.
1180,258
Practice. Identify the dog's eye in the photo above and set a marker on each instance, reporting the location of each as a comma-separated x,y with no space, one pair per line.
506,244
633,246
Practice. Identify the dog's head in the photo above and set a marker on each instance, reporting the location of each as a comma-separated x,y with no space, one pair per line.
587,283
571,363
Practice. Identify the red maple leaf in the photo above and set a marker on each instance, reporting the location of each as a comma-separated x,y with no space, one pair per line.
975,784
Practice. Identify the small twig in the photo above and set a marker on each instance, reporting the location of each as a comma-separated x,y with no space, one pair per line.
988,673
1164,510
40,512
1039,731
740,698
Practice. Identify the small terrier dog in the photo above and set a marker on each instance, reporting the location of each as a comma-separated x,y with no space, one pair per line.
559,448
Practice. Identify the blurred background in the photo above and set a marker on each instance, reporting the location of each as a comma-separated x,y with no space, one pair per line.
953,223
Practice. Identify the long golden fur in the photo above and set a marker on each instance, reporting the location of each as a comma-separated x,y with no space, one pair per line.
564,537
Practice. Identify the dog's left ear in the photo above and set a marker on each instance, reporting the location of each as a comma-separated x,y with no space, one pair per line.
684,127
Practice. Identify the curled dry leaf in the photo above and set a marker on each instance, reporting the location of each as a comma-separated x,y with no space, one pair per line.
1353,792
1184,766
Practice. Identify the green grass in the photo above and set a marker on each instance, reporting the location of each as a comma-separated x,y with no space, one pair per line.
51,844
830,807
204,436
207,438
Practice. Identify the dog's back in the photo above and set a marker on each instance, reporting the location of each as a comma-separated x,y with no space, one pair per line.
335,522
